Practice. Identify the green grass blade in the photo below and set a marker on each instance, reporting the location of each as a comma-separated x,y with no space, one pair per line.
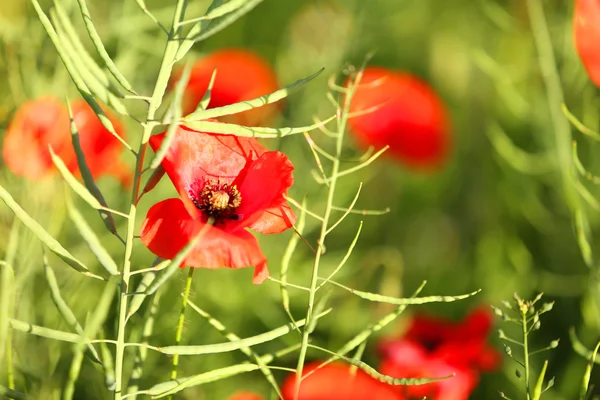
246,131
231,346
12,394
588,374
44,236
91,239
97,41
254,103
539,385
7,292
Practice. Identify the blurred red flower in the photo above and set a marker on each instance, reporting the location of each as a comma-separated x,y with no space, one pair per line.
44,122
241,75
335,382
232,179
586,31
245,396
399,110
435,347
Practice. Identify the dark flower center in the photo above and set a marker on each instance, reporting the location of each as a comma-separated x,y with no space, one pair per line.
218,200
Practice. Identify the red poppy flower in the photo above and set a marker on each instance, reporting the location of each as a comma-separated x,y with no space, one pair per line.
336,382
44,122
586,30
241,76
435,347
406,359
36,125
245,396
405,114
232,179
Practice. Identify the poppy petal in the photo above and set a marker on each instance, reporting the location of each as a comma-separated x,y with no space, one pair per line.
36,125
168,227
265,182
275,220
336,382
194,157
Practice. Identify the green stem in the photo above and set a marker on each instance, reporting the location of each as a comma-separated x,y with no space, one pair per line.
342,119
554,93
525,350
160,87
181,320
10,377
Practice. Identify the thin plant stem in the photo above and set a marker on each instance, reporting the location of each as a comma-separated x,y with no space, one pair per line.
342,119
525,350
164,73
10,376
181,321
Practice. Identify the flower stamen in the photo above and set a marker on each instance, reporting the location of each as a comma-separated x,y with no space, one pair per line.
218,200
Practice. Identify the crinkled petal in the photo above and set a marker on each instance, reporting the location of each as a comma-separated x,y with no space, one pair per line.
168,227
263,185
195,157
275,220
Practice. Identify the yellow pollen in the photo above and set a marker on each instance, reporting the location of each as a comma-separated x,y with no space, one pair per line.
220,200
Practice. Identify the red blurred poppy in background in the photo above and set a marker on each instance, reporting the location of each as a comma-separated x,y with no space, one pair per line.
336,382
586,31
245,396
401,111
435,347
233,180
241,75
45,122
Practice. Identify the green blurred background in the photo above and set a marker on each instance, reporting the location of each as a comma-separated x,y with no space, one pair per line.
490,219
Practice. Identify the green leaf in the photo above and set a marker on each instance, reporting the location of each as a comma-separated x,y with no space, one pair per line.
91,239
44,236
250,104
405,301
588,373
87,177
539,385
73,182
236,345
246,131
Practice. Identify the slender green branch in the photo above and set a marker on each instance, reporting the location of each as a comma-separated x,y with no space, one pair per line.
155,101
181,321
